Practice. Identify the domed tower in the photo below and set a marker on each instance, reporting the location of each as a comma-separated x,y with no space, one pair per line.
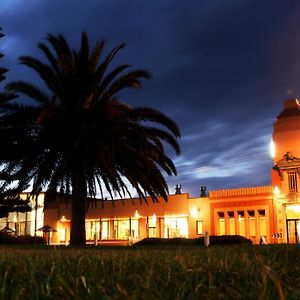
286,170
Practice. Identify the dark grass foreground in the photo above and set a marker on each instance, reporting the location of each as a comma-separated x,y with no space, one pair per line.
190,272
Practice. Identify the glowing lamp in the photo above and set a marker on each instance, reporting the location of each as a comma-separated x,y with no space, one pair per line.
63,219
136,215
194,212
154,218
276,191
272,148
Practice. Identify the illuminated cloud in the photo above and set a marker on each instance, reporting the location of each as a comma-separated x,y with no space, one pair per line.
221,69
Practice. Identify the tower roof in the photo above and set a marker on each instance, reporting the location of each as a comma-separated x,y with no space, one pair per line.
291,109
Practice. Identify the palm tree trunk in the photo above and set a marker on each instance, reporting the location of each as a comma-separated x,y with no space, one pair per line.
78,201
35,214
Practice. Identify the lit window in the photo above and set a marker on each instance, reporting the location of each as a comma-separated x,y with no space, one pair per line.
105,232
262,222
241,221
199,227
221,223
62,234
252,225
134,229
292,179
176,227
152,226
121,229
231,223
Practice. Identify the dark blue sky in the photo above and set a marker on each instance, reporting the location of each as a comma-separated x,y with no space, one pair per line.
221,69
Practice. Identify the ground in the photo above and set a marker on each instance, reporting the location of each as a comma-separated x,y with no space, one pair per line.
217,272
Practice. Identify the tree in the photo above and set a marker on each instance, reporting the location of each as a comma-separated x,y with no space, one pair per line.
9,201
79,136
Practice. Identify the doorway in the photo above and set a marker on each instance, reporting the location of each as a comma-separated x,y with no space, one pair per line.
293,231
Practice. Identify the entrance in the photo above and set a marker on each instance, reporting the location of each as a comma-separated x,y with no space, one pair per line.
293,231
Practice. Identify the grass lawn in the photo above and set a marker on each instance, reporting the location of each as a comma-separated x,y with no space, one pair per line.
219,272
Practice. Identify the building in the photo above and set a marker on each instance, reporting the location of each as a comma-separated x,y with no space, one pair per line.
272,212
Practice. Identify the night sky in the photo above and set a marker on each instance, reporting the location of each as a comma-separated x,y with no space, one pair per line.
221,70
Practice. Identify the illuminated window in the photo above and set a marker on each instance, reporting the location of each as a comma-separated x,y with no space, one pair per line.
123,229
252,225
134,229
152,227
231,223
62,235
92,229
89,230
292,179
199,227
105,230
221,223
176,227
241,220
262,222
161,228
2,223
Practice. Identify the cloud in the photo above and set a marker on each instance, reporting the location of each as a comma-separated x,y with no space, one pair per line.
221,70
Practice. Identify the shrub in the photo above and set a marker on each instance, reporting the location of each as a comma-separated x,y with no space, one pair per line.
224,240
214,240
7,239
164,242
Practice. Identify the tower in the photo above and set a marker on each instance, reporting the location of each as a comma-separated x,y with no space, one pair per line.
286,170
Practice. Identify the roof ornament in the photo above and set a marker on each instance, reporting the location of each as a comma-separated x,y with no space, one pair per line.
203,191
289,162
178,189
289,156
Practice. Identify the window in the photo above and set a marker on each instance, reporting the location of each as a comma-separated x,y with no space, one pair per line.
199,227
221,223
134,226
105,230
292,180
92,228
231,223
262,222
121,229
62,235
152,226
176,227
241,221
252,225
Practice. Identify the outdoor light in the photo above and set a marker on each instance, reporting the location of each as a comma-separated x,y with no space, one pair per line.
154,218
272,148
136,215
63,219
194,212
276,191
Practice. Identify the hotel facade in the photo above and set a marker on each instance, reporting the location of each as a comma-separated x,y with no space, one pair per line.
272,212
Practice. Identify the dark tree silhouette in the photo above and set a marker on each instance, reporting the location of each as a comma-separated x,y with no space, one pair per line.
79,137
9,201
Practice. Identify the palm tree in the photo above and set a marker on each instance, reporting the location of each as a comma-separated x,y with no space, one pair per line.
9,201
78,137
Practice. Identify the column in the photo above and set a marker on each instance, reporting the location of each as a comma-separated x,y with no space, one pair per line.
143,232
247,229
226,217
257,229
111,230
236,221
